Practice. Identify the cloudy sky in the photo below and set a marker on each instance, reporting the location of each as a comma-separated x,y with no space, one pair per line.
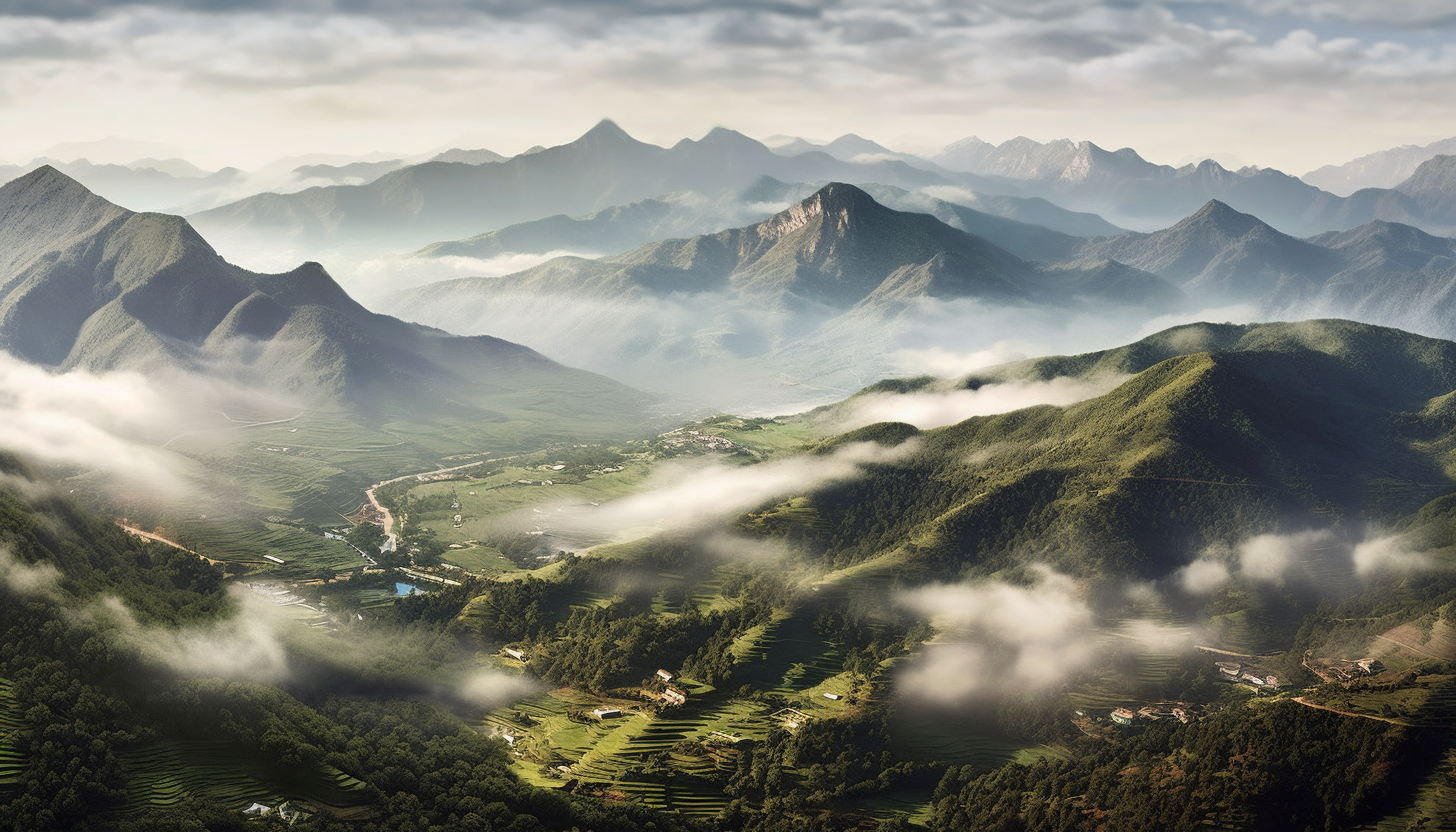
1278,83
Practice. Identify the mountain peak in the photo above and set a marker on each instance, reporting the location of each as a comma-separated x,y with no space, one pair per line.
45,182
840,196
837,201
606,130
42,210
722,137
1221,216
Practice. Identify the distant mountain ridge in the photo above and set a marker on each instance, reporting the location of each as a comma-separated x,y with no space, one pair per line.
1380,272
1128,190
423,203
1382,169
836,248
826,287
1032,228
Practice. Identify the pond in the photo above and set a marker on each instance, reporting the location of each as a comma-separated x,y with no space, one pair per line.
405,589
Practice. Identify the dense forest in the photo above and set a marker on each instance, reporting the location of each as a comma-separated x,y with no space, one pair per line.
91,701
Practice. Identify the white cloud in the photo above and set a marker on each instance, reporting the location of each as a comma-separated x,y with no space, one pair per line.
249,645
693,493
488,689
109,422
1388,554
1317,558
998,637
946,363
40,579
1269,558
935,409
1203,576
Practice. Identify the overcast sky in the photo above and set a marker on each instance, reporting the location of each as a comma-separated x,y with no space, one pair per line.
1277,83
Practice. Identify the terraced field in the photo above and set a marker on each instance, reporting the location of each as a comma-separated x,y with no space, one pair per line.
1118,684
655,760
166,773
12,759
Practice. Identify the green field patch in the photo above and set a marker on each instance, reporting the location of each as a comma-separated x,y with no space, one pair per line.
480,560
304,553
499,503
956,737
785,656
762,436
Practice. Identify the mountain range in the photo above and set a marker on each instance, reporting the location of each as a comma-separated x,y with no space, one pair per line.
1027,227
1382,169
1130,191
759,292
429,202
1380,272
87,284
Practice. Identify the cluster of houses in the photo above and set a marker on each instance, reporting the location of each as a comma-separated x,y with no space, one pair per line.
1345,670
1235,672
285,811
1151,713
686,437
671,695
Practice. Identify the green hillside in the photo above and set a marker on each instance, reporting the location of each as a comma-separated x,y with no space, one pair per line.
1224,431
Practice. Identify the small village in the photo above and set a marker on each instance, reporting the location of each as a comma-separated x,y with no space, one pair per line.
1343,670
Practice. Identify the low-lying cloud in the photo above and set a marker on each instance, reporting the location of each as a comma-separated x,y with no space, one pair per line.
927,410
261,642
690,494
999,637
111,422
1315,558
373,281
247,645
27,579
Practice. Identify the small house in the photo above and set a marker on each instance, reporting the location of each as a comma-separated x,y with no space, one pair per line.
833,697
607,713
666,675
518,655
1123,716
674,696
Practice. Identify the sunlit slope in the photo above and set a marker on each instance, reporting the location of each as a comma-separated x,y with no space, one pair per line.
1223,432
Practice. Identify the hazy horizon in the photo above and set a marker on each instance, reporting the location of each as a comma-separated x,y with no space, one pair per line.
1285,85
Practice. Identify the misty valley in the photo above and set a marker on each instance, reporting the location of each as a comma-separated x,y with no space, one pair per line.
723,486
